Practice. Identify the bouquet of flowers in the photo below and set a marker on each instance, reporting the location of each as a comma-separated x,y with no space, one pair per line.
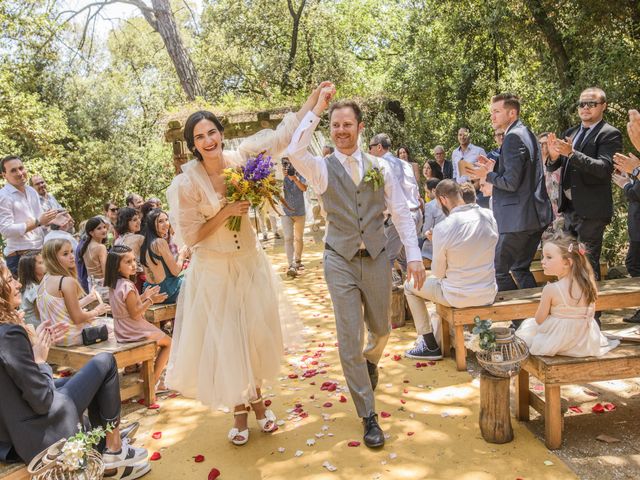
255,182
76,448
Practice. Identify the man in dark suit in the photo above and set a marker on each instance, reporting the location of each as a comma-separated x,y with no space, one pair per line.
520,201
586,158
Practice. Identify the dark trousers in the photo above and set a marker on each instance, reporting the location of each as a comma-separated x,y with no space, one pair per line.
12,264
96,388
589,231
514,254
632,262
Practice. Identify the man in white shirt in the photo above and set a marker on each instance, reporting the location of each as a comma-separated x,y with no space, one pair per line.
21,216
379,146
47,201
356,189
463,273
467,151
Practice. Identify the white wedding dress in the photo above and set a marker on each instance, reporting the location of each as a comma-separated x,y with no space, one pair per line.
232,320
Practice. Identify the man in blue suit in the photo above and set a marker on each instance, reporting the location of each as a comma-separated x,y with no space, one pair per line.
521,204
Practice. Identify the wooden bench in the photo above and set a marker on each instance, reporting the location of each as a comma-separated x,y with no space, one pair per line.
621,362
14,471
157,314
125,354
514,304
541,278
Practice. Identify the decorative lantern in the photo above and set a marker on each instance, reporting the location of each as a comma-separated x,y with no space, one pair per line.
505,358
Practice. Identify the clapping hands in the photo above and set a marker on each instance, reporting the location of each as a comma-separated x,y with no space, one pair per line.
326,94
626,163
558,147
482,168
154,294
633,128
47,334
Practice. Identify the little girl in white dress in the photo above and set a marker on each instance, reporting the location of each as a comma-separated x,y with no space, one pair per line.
564,323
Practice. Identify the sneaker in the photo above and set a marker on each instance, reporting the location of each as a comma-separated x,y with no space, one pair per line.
298,264
292,272
129,472
422,352
635,318
127,455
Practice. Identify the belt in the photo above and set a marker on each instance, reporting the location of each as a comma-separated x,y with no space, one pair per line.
17,253
362,252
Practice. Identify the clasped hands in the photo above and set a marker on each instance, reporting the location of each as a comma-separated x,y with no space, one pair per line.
624,166
480,169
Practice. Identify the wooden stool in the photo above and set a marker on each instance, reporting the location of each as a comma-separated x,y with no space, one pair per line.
495,417
398,302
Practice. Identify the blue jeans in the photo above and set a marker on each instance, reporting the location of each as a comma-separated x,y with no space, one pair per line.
12,264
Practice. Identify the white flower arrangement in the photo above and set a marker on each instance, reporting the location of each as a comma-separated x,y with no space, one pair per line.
74,452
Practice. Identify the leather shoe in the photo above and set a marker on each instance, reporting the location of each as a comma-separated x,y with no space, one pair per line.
373,434
635,318
373,374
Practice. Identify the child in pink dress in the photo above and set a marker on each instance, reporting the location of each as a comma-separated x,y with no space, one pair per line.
128,307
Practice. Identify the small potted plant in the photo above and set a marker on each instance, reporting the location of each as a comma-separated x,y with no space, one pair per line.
73,458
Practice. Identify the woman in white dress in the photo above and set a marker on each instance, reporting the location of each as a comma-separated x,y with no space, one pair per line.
564,323
230,326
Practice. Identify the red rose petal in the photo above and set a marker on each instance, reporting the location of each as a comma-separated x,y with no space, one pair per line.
304,415
403,401
353,444
410,433
153,406
406,390
431,363
155,456
198,458
267,403
156,435
141,401
405,381
293,375
173,395
327,404
597,408
343,399
213,474
396,357
387,354
298,405
609,407
575,409
385,414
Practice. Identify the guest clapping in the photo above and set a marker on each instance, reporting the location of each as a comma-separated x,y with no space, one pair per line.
31,271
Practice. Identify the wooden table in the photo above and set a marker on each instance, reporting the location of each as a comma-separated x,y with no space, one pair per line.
515,304
157,314
621,362
125,354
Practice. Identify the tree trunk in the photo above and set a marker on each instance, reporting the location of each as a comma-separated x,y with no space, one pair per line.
164,22
293,49
495,417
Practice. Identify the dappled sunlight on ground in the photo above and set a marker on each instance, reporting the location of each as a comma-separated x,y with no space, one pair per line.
430,415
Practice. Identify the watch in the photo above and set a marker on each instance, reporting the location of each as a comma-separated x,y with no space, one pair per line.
37,223
636,172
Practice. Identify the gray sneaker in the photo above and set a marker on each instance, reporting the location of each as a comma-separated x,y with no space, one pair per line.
422,352
127,455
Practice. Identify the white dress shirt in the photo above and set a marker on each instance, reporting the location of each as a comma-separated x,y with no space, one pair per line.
314,169
49,202
470,155
464,247
406,179
16,210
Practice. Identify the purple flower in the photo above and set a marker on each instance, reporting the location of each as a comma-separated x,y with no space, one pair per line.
257,168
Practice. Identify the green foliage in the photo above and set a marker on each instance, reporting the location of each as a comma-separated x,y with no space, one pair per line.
483,330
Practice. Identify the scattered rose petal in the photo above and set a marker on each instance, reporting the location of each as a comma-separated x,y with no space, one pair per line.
298,453
198,458
213,474
431,363
293,375
267,403
397,358
353,444
311,442
155,456
393,456
141,401
153,406
385,414
575,409
64,373
343,399
548,463
609,407
327,404
597,408
403,401
329,467
411,433
590,393
173,395
156,435
281,449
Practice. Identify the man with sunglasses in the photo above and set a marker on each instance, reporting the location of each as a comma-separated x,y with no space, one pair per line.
586,157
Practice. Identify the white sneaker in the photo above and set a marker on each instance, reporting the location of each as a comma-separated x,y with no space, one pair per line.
127,455
130,472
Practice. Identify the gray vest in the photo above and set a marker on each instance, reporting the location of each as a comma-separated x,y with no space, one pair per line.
354,213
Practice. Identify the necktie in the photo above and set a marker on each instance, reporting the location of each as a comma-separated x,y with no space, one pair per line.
354,169
580,139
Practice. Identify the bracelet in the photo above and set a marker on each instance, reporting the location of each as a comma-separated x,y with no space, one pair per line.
636,172
37,223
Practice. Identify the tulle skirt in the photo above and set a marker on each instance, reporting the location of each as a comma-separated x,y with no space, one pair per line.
232,324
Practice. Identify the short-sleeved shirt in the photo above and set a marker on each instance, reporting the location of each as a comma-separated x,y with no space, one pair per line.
470,155
294,197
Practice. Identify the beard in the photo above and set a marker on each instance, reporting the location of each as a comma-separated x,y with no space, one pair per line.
445,210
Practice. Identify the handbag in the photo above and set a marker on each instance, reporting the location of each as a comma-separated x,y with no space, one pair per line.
92,335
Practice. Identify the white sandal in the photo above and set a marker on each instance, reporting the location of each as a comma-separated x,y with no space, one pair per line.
269,416
234,432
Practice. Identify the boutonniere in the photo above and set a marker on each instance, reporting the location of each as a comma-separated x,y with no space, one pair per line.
375,177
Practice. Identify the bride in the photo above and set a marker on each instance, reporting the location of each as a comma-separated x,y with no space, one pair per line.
229,329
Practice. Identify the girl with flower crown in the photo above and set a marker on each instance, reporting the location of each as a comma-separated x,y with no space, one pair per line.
230,326
564,322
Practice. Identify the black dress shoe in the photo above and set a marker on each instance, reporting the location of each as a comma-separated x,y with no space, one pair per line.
373,374
635,318
373,434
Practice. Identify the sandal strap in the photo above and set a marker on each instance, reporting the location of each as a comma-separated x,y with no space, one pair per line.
257,400
241,412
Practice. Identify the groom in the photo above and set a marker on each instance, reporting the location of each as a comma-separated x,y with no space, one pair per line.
356,268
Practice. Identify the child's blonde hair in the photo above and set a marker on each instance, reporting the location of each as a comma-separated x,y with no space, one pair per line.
581,270
51,262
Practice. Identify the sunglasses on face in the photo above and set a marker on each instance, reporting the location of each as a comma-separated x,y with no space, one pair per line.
590,104
373,145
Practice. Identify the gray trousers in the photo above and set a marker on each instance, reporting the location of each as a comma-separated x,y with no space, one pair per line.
360,290
394,246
